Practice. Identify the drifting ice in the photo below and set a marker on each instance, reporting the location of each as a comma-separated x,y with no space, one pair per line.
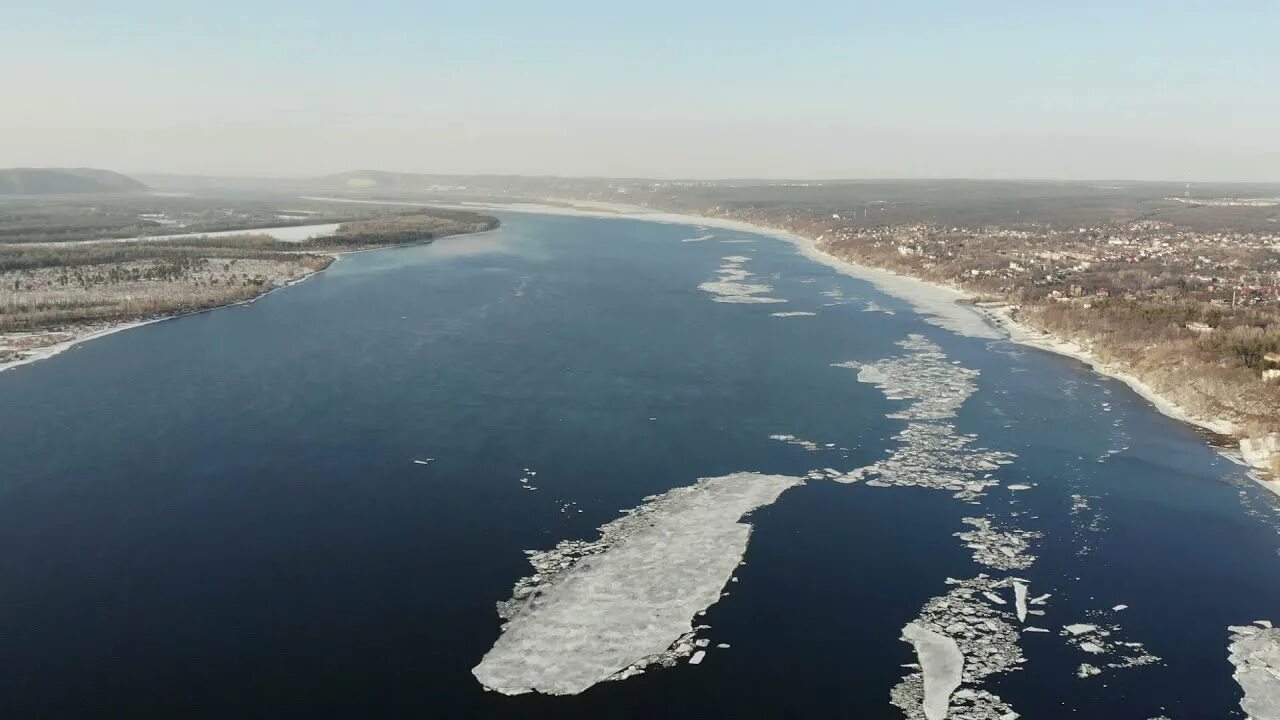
1255,653
602,610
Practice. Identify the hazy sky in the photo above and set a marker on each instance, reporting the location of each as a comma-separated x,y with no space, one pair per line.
1065,89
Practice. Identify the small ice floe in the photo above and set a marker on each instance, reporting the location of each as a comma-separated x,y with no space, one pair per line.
730,285
1087,670
722,646
697,657
1020,599
423,462
572,624
1255,653
1118,608
996,548
1032,628
1085,519
1101,640
699,238
1018,486
793,314
798,442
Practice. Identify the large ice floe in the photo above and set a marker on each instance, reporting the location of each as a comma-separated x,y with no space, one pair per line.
731,284
1255,653
605,610
941,665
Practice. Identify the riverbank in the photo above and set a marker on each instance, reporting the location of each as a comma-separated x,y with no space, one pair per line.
283,233
51,343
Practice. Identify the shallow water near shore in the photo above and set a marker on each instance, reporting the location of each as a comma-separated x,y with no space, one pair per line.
221,515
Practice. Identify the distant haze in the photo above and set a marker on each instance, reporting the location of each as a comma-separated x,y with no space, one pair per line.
1084,90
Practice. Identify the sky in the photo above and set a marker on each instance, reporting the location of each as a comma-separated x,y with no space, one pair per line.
1127,89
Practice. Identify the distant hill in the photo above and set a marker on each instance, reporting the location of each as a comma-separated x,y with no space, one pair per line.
60,181
378,180
355,182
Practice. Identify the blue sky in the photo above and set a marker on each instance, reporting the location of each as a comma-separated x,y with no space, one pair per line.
1175,90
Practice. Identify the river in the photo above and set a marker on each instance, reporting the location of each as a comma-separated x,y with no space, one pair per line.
310,505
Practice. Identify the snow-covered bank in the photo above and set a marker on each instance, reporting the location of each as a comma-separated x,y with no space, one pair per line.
79,334
288,233
1001,316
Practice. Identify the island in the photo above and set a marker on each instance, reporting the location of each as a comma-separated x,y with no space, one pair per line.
56,294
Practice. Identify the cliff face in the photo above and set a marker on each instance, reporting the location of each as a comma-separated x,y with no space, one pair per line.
1262,452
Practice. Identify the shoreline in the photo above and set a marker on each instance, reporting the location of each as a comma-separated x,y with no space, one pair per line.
283,233
110,328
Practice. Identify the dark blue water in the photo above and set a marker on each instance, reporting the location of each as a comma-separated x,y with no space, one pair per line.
219,516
